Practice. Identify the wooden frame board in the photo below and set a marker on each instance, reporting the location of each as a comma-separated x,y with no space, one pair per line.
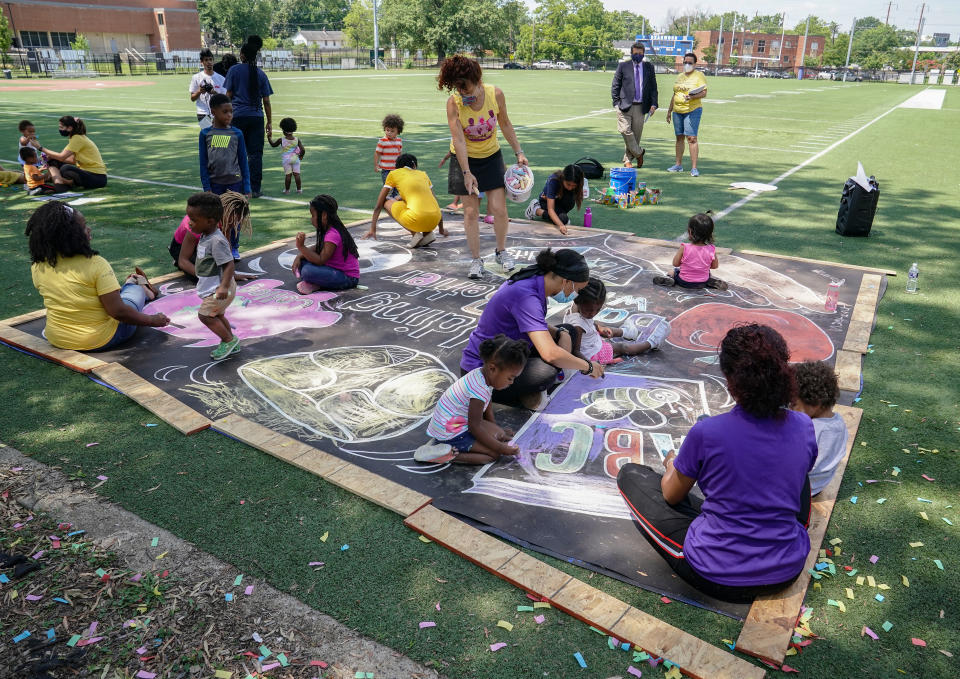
75,360
863,315
693,656
770,623
869,269
184,419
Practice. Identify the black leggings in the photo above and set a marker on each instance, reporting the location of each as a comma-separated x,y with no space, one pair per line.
82,178
665,527
561,206
253,131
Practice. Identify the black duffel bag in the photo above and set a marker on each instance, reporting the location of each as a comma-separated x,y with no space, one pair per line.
592,169
857,208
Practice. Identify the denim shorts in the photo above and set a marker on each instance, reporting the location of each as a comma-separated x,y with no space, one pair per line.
687,124
463,441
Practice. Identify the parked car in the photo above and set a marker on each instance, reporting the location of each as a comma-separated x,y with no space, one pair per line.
852,76
725,71
562,66
581,66
826,75
544,64
513,65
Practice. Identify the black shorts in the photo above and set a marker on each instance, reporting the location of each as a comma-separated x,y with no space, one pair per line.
489,172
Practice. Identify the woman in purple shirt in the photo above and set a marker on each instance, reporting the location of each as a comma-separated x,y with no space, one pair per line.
748,536
519,311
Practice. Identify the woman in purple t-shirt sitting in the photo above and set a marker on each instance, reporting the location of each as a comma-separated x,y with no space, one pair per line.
519,311
334,262
748,536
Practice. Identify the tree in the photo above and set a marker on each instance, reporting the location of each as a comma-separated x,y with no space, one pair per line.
628,25
289,16
709,53
6,35
444,26
80,43
865,23
515,17
818,26
237,20
358,24
874,47
835,53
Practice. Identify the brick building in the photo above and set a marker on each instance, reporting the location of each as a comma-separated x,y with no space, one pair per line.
757,48
109,25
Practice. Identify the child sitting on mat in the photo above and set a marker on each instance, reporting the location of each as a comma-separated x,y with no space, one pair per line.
591,344
40,179
333,263
694,260
817,392
463,425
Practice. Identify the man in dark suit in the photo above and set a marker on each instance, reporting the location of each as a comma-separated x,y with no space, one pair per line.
634,93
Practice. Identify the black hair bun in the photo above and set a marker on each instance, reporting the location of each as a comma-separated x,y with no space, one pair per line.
255,41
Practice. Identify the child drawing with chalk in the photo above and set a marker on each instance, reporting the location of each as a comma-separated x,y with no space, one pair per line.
463,427
694,260
590,338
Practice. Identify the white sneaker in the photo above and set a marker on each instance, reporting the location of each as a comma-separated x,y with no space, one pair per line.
428,237
659,334
629,329
416,239
505,260
531,211
434,452
476,269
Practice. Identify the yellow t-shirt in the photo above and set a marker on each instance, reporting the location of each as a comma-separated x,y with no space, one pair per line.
415,190
683,84
87,154
480,127
71,293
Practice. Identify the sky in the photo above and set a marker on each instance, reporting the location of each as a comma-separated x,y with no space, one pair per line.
942,16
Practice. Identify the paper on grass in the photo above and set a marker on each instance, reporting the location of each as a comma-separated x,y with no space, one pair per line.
861,178
753,186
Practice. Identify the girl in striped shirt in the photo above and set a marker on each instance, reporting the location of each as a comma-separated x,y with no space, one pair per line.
463,427
390,146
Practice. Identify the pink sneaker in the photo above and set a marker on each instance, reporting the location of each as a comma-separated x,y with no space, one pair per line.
305,288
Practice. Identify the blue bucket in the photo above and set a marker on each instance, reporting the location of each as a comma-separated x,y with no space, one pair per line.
623,179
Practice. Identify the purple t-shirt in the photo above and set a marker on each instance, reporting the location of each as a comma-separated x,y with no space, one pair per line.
751,471
514,310
348,264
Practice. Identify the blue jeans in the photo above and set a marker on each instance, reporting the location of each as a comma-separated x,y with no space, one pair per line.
687,123
326,277
220,189
133,296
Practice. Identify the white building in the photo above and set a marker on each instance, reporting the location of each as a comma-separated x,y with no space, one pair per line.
321,39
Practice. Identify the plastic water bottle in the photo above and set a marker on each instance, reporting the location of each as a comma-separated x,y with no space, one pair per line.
833,294
588,218
913,278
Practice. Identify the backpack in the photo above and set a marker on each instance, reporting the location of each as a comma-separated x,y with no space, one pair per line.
592,169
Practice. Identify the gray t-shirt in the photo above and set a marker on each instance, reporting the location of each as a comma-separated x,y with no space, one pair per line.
213,252
832,446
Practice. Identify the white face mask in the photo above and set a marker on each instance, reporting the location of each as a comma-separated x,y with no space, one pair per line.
688,68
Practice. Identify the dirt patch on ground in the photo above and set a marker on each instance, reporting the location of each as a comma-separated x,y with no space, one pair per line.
61,85
105,594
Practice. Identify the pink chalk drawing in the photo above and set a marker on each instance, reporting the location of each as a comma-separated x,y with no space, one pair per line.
260,309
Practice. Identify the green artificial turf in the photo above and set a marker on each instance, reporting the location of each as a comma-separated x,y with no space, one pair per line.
388,581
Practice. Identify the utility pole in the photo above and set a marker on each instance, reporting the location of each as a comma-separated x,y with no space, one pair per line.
376,38
688,28
783,31
916,46
803,52
533,34
889,5
720,41
846,66
733,38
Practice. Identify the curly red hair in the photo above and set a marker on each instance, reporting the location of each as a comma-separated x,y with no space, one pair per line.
457,72
756,362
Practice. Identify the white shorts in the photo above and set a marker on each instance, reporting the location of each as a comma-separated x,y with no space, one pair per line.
292,165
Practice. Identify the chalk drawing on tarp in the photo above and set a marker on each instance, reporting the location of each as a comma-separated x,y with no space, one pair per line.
350,394
571,451
260,309
703,327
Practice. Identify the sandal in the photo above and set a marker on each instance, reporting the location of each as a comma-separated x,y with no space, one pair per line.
146,283
142,282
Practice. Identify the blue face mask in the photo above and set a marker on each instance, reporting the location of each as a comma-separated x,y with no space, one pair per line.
637,58
468,99
565,298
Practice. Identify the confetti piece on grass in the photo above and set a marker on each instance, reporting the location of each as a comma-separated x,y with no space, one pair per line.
849,593
922,499
497,646
228,596
20,637
427,623
344,548
870,633
103,478
854,499
283,659
424,538
323,538
665,600
634,671
939,563
835,541
73,640
947,521
249,590
918,642
256,637
539,619
141,651
237,580
787,668
222,674
887,626
927,477
882,586
160,556
580,660
95,443
879,597
505,625
916,544
315,563
871,581
33,597
542,604
524,609
904,580
874,558
51,634
265,652
143,674
881,500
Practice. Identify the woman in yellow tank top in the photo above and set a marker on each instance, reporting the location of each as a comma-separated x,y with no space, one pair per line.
473,111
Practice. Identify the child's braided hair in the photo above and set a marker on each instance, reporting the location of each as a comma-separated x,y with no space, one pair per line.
236,214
